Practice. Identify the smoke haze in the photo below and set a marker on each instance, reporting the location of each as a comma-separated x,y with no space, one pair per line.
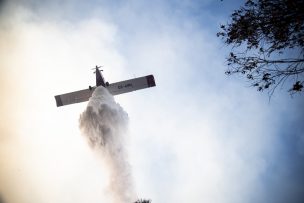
198,137
105,123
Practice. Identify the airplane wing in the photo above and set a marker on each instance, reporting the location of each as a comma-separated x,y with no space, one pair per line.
131,85
74,97
114,88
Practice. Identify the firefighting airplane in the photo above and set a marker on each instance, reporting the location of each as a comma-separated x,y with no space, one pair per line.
114,88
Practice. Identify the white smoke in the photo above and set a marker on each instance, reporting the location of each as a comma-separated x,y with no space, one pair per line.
105,125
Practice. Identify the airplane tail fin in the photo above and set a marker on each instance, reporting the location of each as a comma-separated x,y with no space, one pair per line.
99,79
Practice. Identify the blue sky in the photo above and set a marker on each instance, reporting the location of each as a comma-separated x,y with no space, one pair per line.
198,136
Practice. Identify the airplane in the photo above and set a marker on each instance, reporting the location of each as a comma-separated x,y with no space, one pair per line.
114,88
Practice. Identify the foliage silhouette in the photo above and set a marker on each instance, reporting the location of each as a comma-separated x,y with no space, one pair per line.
143,201
270,34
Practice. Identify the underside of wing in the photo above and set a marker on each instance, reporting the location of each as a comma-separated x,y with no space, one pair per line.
114,89
131,85
74,97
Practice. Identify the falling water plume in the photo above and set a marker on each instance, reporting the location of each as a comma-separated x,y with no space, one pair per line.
105,124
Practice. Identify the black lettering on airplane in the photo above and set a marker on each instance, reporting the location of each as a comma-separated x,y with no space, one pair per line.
125,86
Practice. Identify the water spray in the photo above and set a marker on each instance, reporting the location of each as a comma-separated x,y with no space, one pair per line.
105,124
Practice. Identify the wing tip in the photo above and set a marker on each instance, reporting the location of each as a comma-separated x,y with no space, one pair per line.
150,80
58,101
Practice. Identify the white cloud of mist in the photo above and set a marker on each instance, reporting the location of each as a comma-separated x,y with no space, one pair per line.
197,136
44,159
105,125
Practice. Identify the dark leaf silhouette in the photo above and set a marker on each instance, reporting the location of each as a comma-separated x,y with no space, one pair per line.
267,38
143,201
